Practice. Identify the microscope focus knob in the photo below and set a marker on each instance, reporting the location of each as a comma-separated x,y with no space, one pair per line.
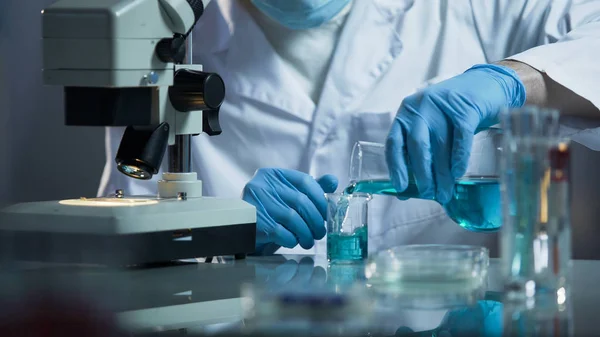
196,90
210,122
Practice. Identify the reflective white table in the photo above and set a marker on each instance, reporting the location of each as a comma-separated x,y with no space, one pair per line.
201,297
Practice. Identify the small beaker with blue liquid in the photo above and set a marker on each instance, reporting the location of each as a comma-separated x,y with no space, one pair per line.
347,227
475,203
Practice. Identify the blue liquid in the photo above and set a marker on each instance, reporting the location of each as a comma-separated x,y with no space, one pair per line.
383,187
475,204
345,274
347,247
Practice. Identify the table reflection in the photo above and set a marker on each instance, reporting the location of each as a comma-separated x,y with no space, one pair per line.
482,319
199,298
546,316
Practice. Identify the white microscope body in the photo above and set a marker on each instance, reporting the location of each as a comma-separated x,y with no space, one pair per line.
120,62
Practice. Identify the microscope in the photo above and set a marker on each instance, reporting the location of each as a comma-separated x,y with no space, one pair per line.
121,63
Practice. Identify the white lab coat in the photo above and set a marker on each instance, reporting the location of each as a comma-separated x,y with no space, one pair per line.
388,49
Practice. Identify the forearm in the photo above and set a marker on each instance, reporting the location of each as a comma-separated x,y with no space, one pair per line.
544,91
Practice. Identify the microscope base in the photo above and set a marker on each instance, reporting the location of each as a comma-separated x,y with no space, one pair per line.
127,231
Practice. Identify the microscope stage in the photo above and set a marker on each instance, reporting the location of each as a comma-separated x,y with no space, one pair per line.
127,230
113,216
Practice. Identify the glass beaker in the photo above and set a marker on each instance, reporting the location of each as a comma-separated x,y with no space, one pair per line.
475,203
536,240
347,230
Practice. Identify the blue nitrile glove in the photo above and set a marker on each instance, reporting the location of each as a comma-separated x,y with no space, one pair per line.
437,126
289,274
291,207
483,320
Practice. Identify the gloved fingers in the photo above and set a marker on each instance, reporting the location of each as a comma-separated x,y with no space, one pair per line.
394,156
419,151
319,276
328,182
293,222
442,170
284,237
308,186
464,131
266,227
308,211
303,272
461,151
264,249
284,273
268,231
403,331
307,261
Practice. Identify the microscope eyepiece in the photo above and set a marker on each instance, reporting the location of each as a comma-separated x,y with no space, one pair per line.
142,150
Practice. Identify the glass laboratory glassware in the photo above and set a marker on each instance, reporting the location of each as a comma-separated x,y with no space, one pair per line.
347,230
430,268
475,203
542,317
345,275
536,239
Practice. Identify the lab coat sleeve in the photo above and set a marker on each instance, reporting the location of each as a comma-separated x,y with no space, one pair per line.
570,45
113,180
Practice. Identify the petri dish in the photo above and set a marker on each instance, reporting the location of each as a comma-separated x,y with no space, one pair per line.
428,268
431,298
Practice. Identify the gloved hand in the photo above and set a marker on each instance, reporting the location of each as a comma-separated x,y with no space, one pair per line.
436,126
291,207
289,274
485,319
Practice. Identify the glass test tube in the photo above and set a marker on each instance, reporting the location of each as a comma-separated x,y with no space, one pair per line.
347,230
535,239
